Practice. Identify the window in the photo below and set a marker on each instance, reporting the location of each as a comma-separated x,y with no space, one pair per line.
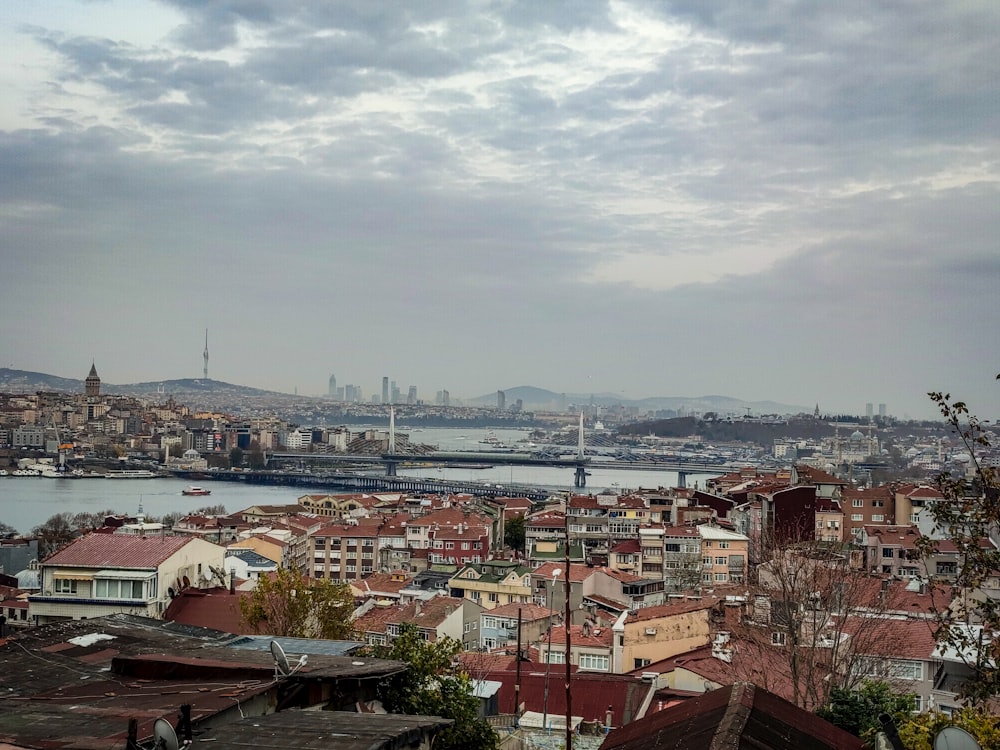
777,638
706,561
465,545
490,622
857,503
64,586
721,576
857,517
594,661
106,588
721,560
878,518
449,545
392,629
900,669
640,663
671,547
888,552
723,545
556,657
494,597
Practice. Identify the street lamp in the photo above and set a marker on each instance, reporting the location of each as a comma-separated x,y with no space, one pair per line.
548,653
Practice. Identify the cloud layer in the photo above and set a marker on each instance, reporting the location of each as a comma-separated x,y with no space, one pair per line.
790,201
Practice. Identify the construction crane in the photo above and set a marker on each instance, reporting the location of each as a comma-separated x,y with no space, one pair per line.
62,447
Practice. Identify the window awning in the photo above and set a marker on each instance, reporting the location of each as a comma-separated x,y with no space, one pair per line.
73,575
128,575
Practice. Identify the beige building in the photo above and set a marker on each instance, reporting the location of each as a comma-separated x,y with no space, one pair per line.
723,555
654,633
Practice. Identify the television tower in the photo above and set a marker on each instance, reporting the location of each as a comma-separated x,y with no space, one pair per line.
205,356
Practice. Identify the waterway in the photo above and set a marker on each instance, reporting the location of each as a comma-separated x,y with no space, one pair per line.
26,502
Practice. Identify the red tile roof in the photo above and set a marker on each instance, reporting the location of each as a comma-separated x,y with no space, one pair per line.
741,716
120,551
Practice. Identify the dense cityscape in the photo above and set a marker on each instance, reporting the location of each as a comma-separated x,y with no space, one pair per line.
809,560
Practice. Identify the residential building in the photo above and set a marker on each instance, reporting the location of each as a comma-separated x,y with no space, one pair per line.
498,626
434,619
648,635
100,574
589,649
493,584
862,507
345,553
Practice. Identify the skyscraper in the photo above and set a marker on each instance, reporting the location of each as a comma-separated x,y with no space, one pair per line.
501,400
332,389
411,396
385,390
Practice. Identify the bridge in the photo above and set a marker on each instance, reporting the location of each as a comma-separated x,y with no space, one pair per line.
367,483
392,459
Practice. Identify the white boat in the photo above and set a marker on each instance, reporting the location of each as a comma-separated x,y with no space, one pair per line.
130,474
195,490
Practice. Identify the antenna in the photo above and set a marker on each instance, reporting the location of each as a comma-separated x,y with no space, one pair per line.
281,665
164,735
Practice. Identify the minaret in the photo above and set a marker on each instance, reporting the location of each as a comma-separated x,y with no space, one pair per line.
205,356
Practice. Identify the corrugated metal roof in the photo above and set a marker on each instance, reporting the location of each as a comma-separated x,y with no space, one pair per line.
119,551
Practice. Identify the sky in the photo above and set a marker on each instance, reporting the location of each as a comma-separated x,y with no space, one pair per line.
783,200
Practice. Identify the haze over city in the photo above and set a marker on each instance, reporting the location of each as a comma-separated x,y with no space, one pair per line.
794,202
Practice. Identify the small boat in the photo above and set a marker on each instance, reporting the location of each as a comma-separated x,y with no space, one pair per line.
195,490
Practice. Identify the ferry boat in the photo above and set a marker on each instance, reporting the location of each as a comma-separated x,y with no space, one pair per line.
131,474
195,490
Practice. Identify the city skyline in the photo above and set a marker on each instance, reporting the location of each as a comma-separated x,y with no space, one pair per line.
794,202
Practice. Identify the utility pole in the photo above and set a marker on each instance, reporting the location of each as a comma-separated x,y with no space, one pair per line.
566,622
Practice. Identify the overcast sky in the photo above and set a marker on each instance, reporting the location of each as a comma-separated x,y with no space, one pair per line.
795,201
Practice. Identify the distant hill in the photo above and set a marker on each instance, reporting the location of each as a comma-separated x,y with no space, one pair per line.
24,381
534,399
540,399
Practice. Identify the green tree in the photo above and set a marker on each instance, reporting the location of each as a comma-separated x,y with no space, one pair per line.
289,604
431,687
513,533
236,456
857,711
966,517
918,732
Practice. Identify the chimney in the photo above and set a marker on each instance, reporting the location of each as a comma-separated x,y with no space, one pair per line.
607,719
232,580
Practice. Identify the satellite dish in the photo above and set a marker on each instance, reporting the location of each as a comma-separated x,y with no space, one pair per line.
280,660
164,735
955,738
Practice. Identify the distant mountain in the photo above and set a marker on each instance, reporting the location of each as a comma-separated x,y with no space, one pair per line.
540,399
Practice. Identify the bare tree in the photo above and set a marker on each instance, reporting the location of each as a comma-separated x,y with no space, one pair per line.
969,518
809,622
